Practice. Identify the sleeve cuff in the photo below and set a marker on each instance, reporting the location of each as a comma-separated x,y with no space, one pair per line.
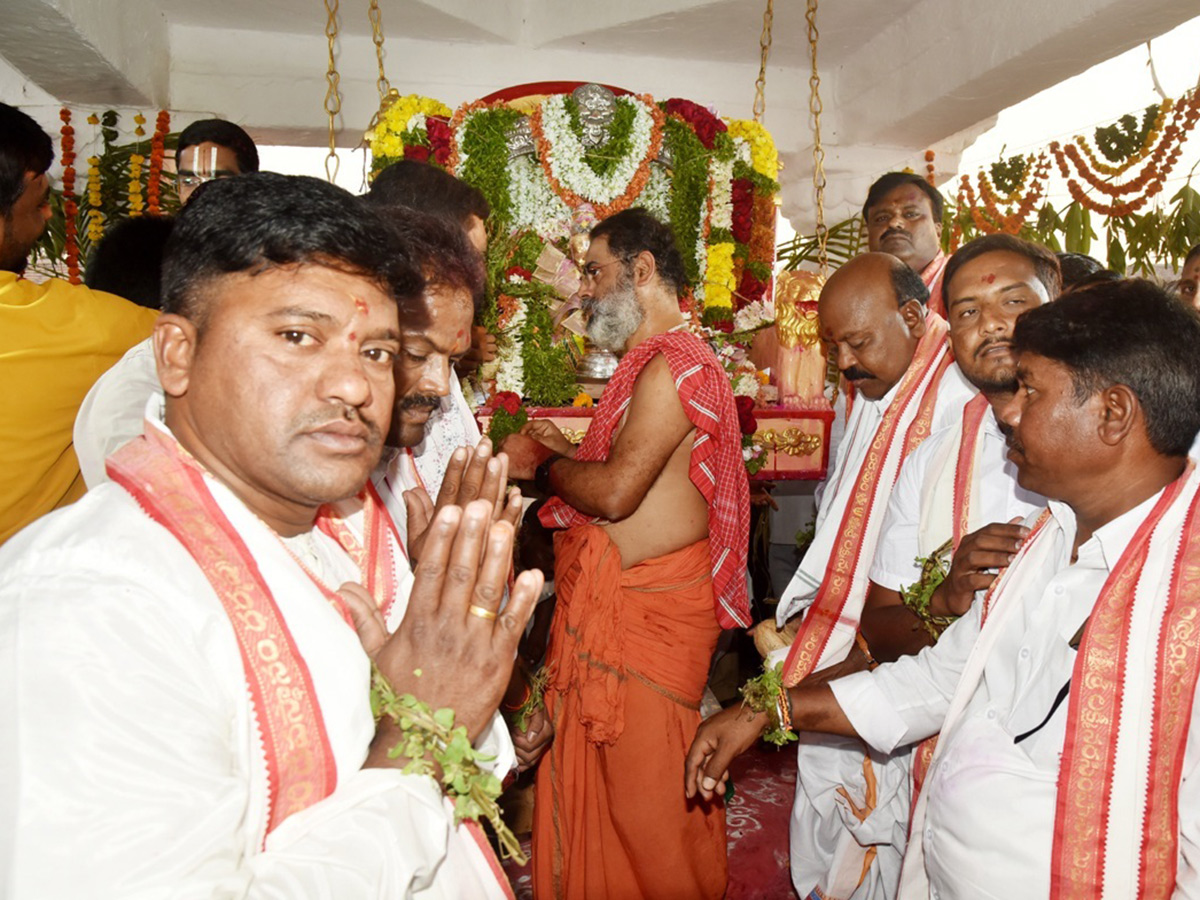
869,711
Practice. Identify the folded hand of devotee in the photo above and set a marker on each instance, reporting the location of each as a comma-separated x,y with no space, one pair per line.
454,648
976,563
368,618
472,474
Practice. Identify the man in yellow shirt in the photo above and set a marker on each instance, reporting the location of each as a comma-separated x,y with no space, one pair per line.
56,339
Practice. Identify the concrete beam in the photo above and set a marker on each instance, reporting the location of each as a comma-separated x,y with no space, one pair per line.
84,52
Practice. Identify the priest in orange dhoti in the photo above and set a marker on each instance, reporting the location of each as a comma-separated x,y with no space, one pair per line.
650,565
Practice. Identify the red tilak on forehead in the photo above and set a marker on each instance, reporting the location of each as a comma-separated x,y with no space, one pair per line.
360,304
988,279
354,336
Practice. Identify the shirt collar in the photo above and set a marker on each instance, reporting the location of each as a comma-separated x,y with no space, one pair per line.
1108,542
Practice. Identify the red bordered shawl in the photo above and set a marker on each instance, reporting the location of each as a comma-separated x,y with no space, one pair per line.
716,467
918,389
932,276
974,414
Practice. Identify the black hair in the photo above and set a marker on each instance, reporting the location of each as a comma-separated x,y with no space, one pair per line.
440,251
907,284
259,221
128,260
892,180
634,230
1045,263
24,147
1076,267
426,188
223,134
1129,332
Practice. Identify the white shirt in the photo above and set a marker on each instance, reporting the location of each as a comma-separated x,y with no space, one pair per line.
991,802
114,409
865,418
129,761
995,491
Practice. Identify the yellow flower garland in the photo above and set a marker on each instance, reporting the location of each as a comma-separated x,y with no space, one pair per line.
385,136
95,218
137,202
719,276
764,158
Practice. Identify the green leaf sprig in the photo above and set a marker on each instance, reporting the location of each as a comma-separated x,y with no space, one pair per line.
434,746
761,694
917,596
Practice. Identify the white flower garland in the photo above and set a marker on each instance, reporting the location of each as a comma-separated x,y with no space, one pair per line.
720,179
656,196
510,364
566,151
753,315
534,203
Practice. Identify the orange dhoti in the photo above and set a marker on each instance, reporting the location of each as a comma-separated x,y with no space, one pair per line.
629,655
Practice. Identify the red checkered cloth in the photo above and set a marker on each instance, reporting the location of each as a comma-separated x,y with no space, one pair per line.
716,467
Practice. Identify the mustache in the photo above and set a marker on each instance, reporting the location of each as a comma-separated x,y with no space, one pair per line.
854,373
994,342
418,401
893,231
346,414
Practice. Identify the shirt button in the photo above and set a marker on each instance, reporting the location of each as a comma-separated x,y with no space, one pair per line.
991,714
1058,589
1024,653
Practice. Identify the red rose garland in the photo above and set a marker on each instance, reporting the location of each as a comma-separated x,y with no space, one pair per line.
703,123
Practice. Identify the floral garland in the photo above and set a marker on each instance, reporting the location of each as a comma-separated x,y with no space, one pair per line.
1031,182
764,157
401,117
70,206
718,194
137,202
1167,143
95,215
162,126
562,156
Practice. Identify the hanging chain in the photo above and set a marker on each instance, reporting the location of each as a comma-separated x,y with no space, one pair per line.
376,18
333,96
814,107
764,43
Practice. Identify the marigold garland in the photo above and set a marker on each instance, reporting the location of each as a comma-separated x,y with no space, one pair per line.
1167,145
162,126
95,216
137,202
70,207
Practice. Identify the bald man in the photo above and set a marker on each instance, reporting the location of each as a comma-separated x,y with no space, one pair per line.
896,356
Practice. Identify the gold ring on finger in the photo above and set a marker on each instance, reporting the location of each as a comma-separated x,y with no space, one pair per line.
482,611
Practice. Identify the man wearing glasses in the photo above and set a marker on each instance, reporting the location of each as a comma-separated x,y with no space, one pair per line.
212,149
